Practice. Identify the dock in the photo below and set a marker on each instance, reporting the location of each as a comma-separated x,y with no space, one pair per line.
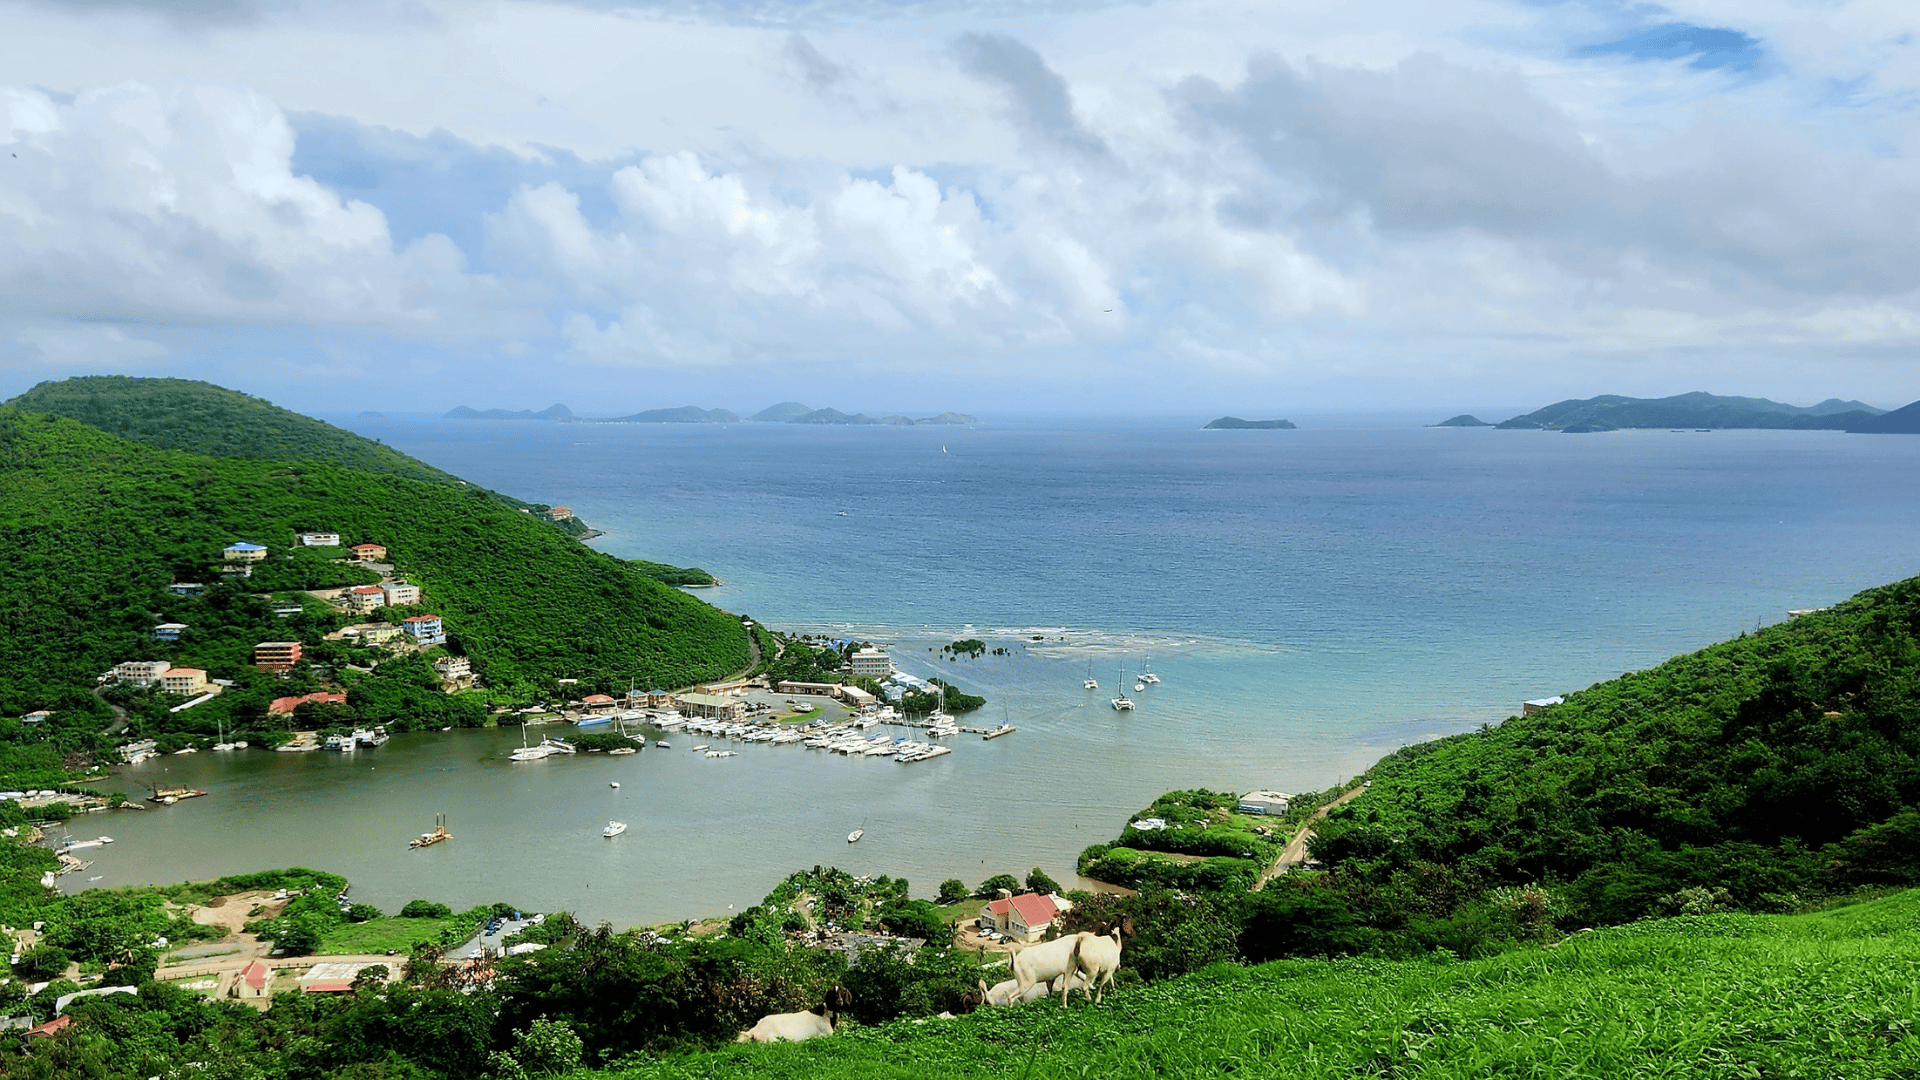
992,733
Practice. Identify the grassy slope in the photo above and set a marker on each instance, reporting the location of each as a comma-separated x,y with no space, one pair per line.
1830,994
201,418
95,525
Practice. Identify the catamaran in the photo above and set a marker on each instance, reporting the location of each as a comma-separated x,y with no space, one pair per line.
1090,683
1122,703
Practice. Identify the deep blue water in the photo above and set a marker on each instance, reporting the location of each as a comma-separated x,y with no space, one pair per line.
1312,599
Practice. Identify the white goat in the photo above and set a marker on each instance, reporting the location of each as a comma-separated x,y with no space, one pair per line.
1094,964
1037,965
797,1026
1000,995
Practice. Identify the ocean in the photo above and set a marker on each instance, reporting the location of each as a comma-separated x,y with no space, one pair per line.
1311,599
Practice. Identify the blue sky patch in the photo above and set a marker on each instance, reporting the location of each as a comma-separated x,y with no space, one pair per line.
1708,47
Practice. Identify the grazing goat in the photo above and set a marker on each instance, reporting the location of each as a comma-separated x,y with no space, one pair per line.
1037,965
794,1027
1095,962
1000,995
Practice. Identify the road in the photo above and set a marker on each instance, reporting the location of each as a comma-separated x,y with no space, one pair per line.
1295,852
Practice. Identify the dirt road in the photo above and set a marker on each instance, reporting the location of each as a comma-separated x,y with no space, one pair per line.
1295,852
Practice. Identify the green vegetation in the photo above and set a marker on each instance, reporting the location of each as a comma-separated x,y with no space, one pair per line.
971,648
1733,996
673,575
97,527
1695,410
400,934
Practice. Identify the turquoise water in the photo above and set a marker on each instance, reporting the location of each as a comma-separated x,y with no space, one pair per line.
1311,599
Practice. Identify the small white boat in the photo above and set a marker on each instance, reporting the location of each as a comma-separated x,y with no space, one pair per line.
613,783
1138,686
613,829
702,746
663,744
854,836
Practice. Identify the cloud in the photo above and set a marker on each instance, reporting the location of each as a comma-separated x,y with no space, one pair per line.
1040,104
177,205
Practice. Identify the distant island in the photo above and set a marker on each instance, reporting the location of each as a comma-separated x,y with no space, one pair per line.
685,414
551,412
1902,421
1463,420
792,412
1234,423
1612,412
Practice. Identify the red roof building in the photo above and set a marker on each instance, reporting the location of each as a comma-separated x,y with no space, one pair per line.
255,981
285,705
1024,917
51,1028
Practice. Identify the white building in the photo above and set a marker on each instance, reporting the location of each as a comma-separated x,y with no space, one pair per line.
183,680
244,552
1263,802
320,539
400,594
140,672
874,663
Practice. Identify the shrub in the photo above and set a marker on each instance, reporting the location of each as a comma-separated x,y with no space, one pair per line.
425,909
953,890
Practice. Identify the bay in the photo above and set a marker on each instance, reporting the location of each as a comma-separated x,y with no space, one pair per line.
1311,599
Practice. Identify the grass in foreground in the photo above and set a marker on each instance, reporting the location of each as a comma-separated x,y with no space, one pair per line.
1825,995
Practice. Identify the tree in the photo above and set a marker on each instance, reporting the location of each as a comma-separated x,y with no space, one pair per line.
362,912
1038,881
953,890
991,887
425,909
545,1048
300,937
42,962
371,977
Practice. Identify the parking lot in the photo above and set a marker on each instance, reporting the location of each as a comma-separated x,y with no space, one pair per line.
492,934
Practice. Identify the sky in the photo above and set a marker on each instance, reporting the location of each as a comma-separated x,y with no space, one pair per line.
922,205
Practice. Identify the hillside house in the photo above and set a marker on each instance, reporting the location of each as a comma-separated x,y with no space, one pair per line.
426,630
649,699
138,672
1024,917
254,981
368,553
454,671
276,655
186,588
38,716
319,539
243,552
400,594
168,631
364,598
1529,708
284,706
183,680
378,633
560,513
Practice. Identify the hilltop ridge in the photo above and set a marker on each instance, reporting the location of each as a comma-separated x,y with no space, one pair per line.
1696,409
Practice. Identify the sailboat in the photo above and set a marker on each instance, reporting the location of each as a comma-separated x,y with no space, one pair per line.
1090,683
1148,676
529,753
1122,703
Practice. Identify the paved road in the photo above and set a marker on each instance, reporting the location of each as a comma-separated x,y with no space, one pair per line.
1295,852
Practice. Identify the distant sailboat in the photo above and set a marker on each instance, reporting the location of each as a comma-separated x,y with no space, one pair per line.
1090,683
1122,703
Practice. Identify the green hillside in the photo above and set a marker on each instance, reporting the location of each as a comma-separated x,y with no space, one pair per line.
97,527
1778,765
201,418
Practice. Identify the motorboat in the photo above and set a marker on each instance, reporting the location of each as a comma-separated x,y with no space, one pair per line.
613,783
623,751
613,829
702,746
1138,686
663,744
854,836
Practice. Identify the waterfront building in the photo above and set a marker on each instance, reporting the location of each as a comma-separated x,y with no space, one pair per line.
1263,802
284,706
319,539
710,706
183,680
276,655
168,631
139,672
1528,708
560,513
244,552
400,594
426,630
1024,917
872,663
365,598
599,703
368,553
